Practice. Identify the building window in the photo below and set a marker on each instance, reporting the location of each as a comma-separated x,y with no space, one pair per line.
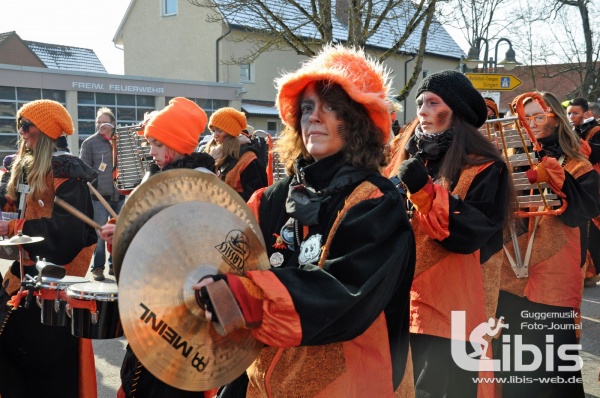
11,99
128,109
246,73
169,7
425,74
273,127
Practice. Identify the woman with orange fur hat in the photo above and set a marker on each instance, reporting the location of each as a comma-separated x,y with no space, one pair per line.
235,157
38,360
333,310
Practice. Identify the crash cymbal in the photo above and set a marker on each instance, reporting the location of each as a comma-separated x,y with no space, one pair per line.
20,240
161,318
168,188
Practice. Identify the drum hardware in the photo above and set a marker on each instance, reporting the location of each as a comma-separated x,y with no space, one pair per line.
25,290
50,270
131,157
52,300
162,320
169,188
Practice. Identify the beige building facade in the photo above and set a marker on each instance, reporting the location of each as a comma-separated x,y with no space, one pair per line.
172,39
83,93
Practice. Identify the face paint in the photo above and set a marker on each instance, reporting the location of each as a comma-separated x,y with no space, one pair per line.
435,116
443,116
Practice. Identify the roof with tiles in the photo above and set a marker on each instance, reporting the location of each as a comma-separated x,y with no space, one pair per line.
439,41
5,35
66,57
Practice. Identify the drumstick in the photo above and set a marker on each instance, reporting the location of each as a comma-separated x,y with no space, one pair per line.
102,200
76,213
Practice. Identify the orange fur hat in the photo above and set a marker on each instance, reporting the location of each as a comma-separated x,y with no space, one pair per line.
364,79
50,117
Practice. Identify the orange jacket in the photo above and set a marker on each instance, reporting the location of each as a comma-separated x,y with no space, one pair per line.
444,281
555,274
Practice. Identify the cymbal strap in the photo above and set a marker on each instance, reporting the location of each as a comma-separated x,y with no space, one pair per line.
226,308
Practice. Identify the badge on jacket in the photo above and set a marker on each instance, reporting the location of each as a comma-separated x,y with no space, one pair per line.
310,250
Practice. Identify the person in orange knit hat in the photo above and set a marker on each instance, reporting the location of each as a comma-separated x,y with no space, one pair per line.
333,309
236,158
37,360
173,135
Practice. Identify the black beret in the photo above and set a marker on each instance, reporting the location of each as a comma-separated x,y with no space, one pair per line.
458,93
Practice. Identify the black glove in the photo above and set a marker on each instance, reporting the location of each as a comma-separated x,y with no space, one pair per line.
204,298
413,174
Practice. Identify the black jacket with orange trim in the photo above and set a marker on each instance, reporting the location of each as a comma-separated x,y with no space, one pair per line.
368,271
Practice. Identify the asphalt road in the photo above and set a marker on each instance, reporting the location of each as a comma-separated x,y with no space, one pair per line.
109,353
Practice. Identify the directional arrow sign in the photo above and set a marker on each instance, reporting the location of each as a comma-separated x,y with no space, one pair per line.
493,81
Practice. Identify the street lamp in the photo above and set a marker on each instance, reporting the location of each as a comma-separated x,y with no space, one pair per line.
472,61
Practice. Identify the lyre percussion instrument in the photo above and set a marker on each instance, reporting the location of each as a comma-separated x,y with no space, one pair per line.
520,149
166,189
94,310
515,144
163,322
51,298
131,157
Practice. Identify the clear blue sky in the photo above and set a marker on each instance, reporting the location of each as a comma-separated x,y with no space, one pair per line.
80,23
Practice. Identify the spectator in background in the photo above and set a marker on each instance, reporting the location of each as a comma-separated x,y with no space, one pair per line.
97,152
595,110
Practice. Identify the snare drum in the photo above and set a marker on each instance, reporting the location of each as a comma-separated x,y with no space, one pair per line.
51,298
94,310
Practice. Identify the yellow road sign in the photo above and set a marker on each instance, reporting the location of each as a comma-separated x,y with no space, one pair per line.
493,81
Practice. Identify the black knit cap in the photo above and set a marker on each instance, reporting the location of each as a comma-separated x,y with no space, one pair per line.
458,93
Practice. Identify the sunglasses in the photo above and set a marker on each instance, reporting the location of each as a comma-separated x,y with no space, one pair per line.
539,119
25,125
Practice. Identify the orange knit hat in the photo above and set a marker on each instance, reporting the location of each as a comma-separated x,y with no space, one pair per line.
178,125
50,117
364,79
490,103
229,120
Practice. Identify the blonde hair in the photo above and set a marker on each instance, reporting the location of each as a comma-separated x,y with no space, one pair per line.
567,138
229,147
36,163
